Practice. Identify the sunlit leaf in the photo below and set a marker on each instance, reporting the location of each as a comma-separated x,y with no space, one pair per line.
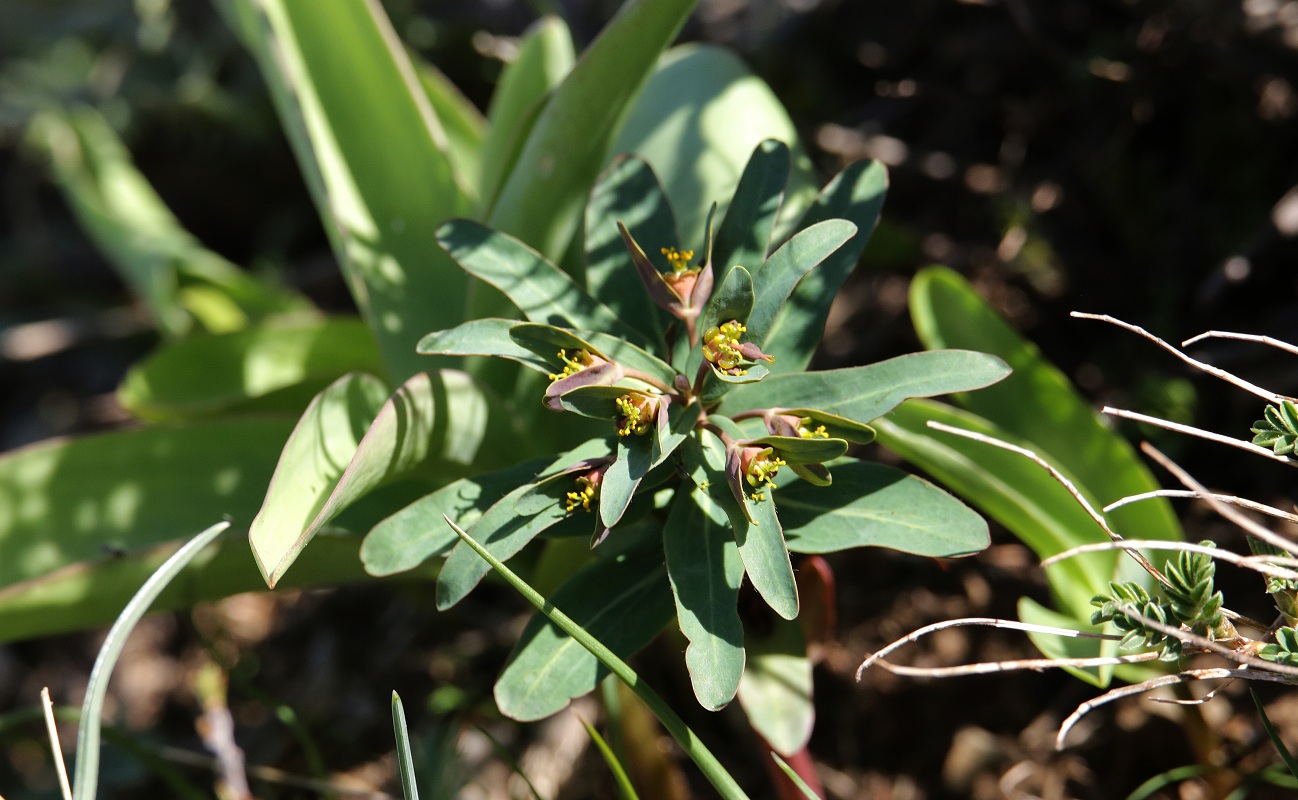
203,374
775,280
350,441
776,690
865,393
872,505
745,234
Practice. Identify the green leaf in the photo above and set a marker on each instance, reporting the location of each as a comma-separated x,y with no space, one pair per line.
776,690
374,156
872,505
405,760
628,192
686,738
82,500
181,281
464,125
761,543
208,373
1034,613
797,450
697,122
745,234
542,199
705,571
350,441
1008,488
733,299
86,778
483,337
774,282
542,291
855,194
623,600
417,532
633,461
504,532
1038,404
87,592
545,56
865,393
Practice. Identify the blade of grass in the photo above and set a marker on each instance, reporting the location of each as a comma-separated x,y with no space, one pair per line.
1274,735
684,736
624,787
51,725
405,762
793,776
86,776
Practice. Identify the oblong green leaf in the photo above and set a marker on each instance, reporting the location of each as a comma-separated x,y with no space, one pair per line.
374,155
1038,403
86,778
417,532
865,393
873,505
482,337
631,464
545,55
855,194
203,374
350,441
720,779
405,760
697,122
542,291
705,570
745,233
541,201
780,274
623,599
1008,488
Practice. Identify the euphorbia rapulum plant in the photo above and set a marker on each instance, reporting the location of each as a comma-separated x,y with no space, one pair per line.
701,426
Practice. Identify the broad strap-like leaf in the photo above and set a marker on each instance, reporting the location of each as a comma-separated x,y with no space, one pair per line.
350,441
464,125
744,237
775,281
628,192
865,393
374,155
542,199
856,195
873,505
542,291
545,55
705,570
1038,403
623,599
698,120
251,369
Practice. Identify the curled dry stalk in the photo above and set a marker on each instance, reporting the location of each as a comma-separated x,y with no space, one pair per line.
1187,616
